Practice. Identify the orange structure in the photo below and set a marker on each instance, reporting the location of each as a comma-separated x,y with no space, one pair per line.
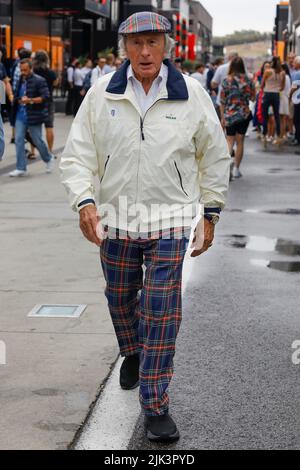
281,30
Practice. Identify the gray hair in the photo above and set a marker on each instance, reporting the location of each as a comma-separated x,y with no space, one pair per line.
169,46
297,60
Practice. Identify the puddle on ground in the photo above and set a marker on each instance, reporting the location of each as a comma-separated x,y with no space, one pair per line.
270,211
275,170
285,266
268,245
284,212
264,244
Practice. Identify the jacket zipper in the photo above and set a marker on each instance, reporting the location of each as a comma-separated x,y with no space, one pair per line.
143,119
143,138
105,168
180,178
142,129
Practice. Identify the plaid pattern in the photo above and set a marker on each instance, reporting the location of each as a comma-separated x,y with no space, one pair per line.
149,325
145,21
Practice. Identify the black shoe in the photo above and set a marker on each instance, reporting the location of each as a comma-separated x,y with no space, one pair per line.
129,372
161,428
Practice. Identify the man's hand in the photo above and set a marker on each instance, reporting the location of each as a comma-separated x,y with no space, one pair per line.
209,234
25,100
88,222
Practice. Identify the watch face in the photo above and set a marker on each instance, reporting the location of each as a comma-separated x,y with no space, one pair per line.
215,219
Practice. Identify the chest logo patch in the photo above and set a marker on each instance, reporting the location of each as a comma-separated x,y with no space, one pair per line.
171,117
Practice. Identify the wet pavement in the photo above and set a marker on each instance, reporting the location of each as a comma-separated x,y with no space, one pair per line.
235,385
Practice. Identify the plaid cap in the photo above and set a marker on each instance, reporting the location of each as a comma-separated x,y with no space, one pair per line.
145,21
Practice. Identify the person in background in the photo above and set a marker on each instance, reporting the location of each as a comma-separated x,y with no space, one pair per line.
30,112
87,68
178,64
70,87
273,84
258,114
110,61
291,64
86,72
41,67
295,87
101,69
2,143
219,77
284,109
118,63
78,85
200,74
6,81
237,92
211,72
22,53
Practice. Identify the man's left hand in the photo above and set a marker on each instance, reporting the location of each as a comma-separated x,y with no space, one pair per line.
209,234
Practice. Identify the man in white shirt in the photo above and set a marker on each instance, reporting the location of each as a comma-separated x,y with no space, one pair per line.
221,74
200,74
145,101
101,69
70,87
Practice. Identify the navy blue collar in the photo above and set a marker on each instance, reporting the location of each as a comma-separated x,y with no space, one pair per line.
176,86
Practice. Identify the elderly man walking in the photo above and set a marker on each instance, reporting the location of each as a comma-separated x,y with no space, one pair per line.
152,137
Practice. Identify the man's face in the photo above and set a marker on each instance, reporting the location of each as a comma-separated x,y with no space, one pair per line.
146,52
101,63
25,70
291,59
118,63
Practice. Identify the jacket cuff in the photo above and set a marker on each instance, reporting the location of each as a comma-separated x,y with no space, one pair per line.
212,210
84,203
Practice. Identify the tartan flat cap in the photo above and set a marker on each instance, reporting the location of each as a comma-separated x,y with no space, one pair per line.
145,21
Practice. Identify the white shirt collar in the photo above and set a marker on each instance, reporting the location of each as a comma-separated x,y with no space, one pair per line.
146,101
161,79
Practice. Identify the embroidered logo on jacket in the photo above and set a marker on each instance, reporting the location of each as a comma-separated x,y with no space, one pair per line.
171,116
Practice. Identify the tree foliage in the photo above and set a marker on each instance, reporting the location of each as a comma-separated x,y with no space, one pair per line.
241,37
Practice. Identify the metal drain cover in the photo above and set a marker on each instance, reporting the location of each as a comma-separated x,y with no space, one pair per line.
57,311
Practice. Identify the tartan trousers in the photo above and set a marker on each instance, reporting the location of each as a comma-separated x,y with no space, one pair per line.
148,325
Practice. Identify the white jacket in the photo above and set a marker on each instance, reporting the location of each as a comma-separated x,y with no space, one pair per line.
177,154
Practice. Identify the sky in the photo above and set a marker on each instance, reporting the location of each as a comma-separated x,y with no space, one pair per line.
234,15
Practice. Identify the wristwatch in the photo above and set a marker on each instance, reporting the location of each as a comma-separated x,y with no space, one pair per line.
213,219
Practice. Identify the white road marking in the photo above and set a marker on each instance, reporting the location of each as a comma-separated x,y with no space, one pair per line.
113,419
112,422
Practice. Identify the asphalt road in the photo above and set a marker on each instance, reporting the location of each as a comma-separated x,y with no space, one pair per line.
235,385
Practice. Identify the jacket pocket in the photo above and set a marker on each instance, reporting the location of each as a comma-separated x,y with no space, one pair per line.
105,168
180,179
